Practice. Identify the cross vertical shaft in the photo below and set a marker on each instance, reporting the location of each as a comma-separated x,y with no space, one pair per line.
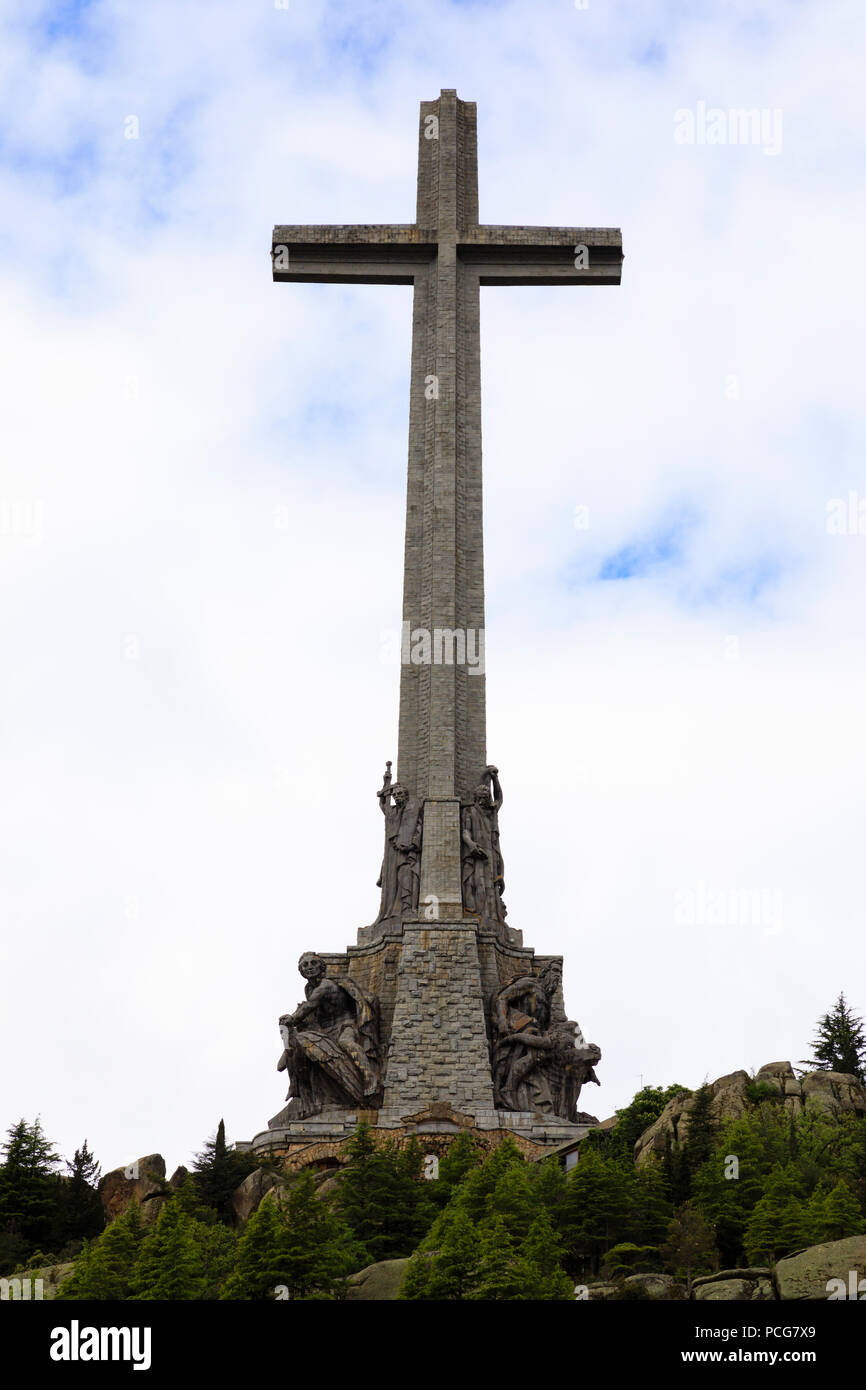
442,717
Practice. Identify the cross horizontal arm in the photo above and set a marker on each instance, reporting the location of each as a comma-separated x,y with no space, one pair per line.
385,254
543,255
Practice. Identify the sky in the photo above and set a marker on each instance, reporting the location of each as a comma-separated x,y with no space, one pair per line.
202,490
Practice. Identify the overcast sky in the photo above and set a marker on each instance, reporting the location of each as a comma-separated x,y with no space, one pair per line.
201,518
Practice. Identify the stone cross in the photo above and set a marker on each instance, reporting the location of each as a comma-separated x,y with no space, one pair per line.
446,255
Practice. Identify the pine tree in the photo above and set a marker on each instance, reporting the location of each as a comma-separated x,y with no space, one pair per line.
382,1196
501,1273
171,1264
29,1186
781,1221
651,1206
514,1201
462,1157
105,1267
543,1253
597,1210
219,1250
549,1185
702,1130
218,1170
475,1194
296,1242
836,1214
451,1272
840,1044
690,1246
81,1215
258,1265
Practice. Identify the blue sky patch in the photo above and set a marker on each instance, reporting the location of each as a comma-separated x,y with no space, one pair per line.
657,549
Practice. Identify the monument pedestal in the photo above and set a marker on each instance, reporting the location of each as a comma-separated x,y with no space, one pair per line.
435,983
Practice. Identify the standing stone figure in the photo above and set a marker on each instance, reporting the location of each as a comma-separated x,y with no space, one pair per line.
537,1066
331,1044
400,876
483,870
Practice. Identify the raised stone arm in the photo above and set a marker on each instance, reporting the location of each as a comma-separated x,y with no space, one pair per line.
496,795
384,794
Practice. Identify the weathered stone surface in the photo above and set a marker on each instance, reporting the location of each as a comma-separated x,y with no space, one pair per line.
651,1285
248,1194
597,1293
144,1180
178,1177
439,1049
728,1103
830,1093
806,1274
379,1282
275,1194
737,1285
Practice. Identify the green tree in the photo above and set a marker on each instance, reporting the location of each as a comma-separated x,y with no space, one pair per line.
543,1254
836,1214
80,1213
171,1264
597,1210
450,1271
702,1130
632,1121
382,1195
780,1221
500,1273
651,1205
462,1156
259,1265
690,1247
218,1170
839,1044
29,1187
105,1267
297,1242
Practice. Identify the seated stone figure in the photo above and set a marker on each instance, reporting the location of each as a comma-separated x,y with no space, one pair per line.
537,1066
331,1045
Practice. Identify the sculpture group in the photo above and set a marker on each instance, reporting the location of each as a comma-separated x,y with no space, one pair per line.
332,1049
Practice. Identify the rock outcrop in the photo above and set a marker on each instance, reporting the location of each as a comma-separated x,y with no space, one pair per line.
826,1092
735,1285
378,1282
247,1196
144,1180
808,1273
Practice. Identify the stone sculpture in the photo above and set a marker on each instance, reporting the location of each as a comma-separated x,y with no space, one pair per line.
483,869
331,1044
538,1065
399,878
